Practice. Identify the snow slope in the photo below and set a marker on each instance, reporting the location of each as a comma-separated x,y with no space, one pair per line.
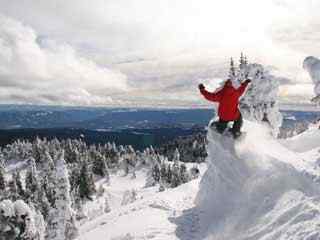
254,189
154,215
257,189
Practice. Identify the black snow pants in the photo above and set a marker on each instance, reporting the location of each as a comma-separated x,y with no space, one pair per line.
221,125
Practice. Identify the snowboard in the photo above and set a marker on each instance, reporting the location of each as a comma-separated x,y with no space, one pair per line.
228,132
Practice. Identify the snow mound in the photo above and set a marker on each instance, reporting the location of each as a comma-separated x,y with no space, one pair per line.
255,189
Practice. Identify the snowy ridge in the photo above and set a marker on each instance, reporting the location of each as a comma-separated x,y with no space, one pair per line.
256,189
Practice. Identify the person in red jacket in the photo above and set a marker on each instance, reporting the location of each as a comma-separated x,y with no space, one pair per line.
228,111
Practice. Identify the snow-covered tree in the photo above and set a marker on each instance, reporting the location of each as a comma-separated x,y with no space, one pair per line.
42,202
176,157
32,179
232,70
175,179
13,190
86,182
184,175
17,221
2,181
260,101
62,224
169,174
163,171
156,173
17,178
99,166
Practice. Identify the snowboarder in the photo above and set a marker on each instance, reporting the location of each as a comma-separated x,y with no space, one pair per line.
228,111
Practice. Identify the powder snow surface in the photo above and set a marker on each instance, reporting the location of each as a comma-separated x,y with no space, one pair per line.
253,189
257,189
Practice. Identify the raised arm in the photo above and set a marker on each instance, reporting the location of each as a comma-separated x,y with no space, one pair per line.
211,96
243,87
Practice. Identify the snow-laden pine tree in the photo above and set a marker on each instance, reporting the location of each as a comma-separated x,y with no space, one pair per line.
17,222
41,202
169,174
99,165
62,224
17,179
184,174
86,182
232,70
259,103
48,176
2,182
151,161
32,180
156,173
175,179
176,157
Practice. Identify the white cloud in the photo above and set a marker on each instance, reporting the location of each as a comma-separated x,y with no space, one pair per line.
162,46
50,72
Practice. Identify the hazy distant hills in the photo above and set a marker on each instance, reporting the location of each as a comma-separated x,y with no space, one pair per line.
138,127
14,117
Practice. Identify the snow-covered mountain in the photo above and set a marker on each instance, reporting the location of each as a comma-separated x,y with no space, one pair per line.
255,188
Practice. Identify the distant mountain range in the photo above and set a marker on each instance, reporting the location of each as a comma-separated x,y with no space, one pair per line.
137,127
15,117
25,116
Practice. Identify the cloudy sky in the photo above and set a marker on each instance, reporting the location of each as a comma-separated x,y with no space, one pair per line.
148,52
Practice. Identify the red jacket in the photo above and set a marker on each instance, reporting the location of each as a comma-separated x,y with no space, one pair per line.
228,99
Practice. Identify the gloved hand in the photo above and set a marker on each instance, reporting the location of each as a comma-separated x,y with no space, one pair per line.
201,86
247,81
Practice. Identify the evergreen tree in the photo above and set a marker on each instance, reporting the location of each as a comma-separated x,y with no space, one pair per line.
99,166
42,202
31,180
86,183
62,216
175,180
13,190
245,60
74,176
176,156
18,181
169,174
184,175
242,61
163,170
2,181
36,150
156,173
49,178
232,70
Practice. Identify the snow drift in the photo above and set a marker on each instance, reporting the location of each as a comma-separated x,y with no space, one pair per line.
255,189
